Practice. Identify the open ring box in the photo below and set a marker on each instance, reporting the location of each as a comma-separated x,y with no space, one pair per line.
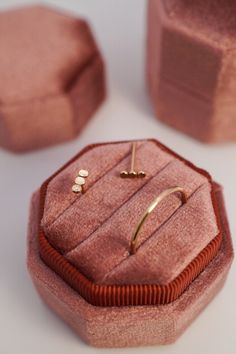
79,245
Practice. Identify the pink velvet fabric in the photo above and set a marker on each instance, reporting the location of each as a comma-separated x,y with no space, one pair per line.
37,124
217,18
127,326
52,77
59,188
191,66
92,231
53,46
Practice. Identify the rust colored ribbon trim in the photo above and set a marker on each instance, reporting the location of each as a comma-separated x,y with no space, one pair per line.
126,295
132,294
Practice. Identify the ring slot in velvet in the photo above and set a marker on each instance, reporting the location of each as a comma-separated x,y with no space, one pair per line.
89,234
110,191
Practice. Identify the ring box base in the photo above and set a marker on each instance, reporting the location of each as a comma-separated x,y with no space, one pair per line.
127,326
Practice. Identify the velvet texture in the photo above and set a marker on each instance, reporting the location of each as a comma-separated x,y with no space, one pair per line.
92,231
191,66
52,77
127,326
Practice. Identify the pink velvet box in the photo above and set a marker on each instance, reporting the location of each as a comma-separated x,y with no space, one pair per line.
191,66
52,77
79,245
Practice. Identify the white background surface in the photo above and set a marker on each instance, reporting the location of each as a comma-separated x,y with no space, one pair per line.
26,325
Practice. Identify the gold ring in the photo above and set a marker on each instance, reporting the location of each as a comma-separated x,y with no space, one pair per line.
151,207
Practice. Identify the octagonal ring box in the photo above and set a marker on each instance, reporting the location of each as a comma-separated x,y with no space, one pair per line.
191,66
52,77
79,245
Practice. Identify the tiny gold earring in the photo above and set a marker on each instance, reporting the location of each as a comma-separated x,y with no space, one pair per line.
132,173
80,181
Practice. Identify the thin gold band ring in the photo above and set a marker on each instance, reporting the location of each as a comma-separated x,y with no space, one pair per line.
152,206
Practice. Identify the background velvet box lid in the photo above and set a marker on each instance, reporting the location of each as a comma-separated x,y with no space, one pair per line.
191,66
52,77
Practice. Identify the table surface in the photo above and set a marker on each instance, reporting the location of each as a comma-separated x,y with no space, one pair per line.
26,325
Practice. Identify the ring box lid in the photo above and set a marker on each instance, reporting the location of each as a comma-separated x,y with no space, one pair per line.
93,230
42,52
213,20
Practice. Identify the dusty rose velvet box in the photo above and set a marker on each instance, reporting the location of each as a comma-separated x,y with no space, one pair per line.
79,245
191,66
52,77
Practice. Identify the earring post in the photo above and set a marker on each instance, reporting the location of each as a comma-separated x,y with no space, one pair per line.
133,157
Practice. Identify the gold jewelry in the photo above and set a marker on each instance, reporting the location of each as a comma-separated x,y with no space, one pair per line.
152,206
80,181
132,173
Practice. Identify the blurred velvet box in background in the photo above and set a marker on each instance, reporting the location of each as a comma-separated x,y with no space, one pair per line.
191,65
51,77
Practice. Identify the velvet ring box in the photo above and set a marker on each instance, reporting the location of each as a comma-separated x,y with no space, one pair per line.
52,77
191,66
79,245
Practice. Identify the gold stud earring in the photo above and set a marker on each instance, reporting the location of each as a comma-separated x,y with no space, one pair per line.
132,173
80,181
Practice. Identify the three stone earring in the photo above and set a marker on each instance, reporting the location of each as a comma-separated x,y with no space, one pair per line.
80,181
132,173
